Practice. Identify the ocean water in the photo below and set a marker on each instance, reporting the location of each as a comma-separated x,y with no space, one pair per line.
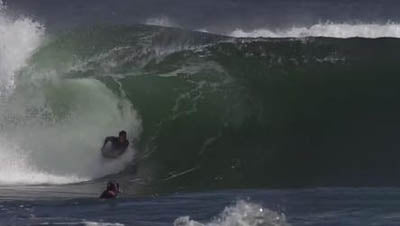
275,125
320,206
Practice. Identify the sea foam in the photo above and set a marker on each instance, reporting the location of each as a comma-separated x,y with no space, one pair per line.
328,29
51,127
242,214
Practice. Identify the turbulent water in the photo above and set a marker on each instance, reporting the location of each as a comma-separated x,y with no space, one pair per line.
203,110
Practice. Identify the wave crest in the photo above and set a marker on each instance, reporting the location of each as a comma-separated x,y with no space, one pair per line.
329,29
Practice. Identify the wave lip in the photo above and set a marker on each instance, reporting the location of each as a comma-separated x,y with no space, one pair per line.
333,30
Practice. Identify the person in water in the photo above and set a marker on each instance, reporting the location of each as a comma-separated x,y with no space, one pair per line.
111,192
118,144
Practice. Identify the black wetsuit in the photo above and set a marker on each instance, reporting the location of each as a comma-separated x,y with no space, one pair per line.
111,191
116,145
109,195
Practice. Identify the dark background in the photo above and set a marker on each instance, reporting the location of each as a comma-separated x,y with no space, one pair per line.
220,16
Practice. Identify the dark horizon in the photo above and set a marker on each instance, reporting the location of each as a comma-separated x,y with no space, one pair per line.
221,16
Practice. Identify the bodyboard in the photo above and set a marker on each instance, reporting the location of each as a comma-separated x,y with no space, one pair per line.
108,152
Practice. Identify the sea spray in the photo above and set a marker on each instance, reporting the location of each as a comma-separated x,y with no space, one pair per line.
51,127
19,38
242,214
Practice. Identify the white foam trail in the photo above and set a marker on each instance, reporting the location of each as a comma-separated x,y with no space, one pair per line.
334,30
16,169
85,223
91,223
18,39
162,21
241,214
204,30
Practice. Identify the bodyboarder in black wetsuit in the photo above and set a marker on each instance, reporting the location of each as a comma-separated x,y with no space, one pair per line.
118,144
111,191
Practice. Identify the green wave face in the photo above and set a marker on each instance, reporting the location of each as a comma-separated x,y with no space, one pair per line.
222,112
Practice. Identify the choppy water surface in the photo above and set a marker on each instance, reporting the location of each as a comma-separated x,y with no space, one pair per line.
325,207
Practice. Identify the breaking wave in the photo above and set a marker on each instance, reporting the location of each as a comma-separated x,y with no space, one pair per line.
204,110
333,30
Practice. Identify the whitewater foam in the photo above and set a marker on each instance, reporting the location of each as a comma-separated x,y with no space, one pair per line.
334,30
59,126
18,40
51,127
162,21
16,169
85,223
242,214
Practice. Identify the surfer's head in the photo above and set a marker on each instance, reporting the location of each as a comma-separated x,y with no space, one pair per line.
112,186
122,136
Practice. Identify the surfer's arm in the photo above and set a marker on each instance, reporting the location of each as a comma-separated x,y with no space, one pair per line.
107,140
